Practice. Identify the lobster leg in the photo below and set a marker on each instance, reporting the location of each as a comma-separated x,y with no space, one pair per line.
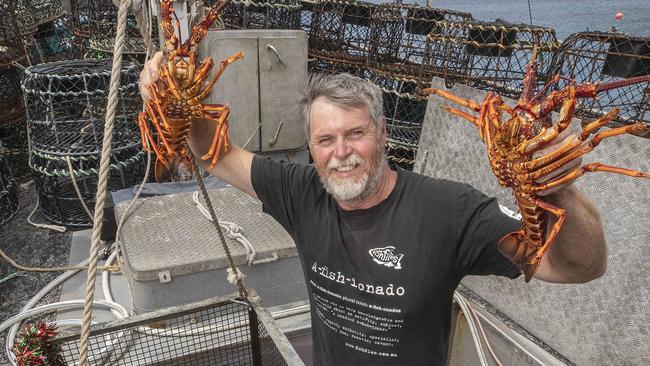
590,145
145,132
541,140
222,66
201,76
591,167
467,103
219,139
592,126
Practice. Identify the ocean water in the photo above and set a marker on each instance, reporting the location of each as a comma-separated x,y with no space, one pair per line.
565,16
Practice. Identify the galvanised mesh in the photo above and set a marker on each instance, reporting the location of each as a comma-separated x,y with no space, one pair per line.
59,201
399,43
32,13
11,46
8,190
404,109
221,331
341,30
593,57
66,104
490,56
272,14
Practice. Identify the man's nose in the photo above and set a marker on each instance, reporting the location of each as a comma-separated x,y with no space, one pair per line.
342,148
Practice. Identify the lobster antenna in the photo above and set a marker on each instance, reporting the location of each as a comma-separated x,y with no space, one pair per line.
178,29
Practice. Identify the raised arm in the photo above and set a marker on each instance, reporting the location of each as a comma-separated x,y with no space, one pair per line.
579,253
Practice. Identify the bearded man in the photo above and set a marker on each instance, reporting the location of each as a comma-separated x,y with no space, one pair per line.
383,251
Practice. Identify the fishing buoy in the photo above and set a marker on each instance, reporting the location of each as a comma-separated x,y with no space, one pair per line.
618,16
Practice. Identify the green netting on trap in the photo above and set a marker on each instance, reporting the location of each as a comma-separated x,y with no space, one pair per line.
593,57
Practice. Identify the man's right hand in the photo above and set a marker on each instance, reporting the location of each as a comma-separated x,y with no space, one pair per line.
149,75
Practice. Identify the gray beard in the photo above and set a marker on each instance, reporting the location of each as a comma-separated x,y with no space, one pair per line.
347,190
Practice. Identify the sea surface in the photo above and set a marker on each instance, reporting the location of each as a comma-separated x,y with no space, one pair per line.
565,16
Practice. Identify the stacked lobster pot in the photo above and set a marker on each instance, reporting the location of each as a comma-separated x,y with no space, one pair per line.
593,57
339,36
94,25
399,46
66,107
42,25
53,40
270,14
8,190
490,56
12,109
404,109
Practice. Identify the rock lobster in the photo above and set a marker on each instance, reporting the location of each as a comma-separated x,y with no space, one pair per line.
511,141
177,95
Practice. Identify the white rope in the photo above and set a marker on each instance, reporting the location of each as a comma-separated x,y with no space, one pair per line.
103,178
76,188
58,228
235,232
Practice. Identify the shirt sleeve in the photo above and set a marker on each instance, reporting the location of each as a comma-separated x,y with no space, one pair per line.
480,226
280,186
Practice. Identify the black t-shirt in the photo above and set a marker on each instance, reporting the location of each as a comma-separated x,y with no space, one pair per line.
381,280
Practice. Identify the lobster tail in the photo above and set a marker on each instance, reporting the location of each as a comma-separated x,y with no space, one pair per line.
513,246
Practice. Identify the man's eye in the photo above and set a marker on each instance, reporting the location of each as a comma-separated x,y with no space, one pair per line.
324,140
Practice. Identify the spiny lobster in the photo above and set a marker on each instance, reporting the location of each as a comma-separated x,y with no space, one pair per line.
177,95
512,141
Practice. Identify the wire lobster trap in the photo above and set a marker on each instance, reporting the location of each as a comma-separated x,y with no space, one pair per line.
593,57
341,31
94,25
66,106
67,185
490,56
32,13
11,44
218,331
307,15
16,150
9,202
53,40
271,14
330,67
404,110
399,43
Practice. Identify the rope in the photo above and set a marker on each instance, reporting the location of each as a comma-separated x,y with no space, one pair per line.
235,232
103,178
58,228
44,269
76,188
235,276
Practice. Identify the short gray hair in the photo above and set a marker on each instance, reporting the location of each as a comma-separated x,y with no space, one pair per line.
346,91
